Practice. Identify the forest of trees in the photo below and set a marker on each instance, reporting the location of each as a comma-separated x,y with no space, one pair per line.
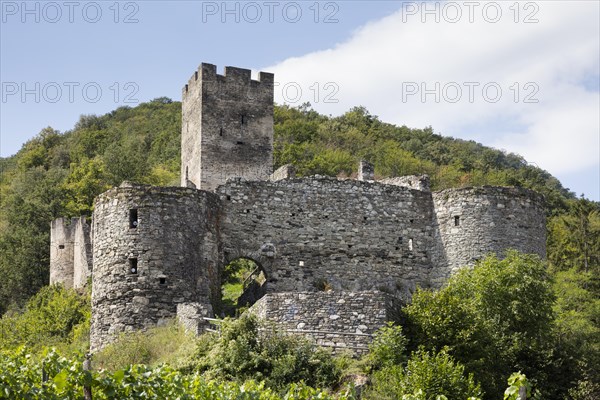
552,334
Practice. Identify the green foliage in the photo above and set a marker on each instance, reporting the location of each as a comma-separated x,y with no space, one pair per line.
500,310
53,317
427,376
21,377
574,237
578,328
246,350
85,181
388,347
517,383
233,277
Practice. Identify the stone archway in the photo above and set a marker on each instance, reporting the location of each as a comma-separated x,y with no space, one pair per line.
243,283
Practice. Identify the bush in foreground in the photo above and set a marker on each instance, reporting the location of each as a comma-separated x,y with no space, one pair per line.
246,349
427,376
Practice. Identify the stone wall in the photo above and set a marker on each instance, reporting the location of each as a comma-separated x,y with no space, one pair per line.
320,232
286,171
227,127
340,320
70,252
82,253
154,248
475,221
191,316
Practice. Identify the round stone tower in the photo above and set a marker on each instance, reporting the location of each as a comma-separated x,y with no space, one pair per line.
473,222
154,248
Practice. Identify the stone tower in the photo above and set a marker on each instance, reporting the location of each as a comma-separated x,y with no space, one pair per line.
227,127
473,222
154,249
70,252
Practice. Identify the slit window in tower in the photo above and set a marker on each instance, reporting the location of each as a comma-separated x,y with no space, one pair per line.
244,120
61,246
133,218
133,266
456,220
410,244
162,281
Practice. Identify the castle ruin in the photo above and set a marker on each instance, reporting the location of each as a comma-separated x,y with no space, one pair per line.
158,252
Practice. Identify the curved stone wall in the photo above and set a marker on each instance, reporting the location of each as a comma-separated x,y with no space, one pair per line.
154,248
475,221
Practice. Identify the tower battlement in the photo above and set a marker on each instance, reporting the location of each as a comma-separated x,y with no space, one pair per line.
242,77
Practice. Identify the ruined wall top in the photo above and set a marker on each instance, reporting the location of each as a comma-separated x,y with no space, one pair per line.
417,182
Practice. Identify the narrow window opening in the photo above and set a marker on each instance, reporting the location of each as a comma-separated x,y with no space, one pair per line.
410,244
456,220
247,211
133,218
239,142
400,240
228,197
61,246
133,265
244,119
162,280
187,175
196,75
221,132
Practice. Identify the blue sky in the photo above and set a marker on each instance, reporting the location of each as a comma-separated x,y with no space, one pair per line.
522,78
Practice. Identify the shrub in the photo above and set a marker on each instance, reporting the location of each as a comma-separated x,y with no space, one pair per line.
388,347
495,318
54,316
246,350
427,376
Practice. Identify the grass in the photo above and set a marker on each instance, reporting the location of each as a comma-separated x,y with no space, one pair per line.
168,344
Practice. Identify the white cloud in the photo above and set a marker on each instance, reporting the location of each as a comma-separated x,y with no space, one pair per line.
553,57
